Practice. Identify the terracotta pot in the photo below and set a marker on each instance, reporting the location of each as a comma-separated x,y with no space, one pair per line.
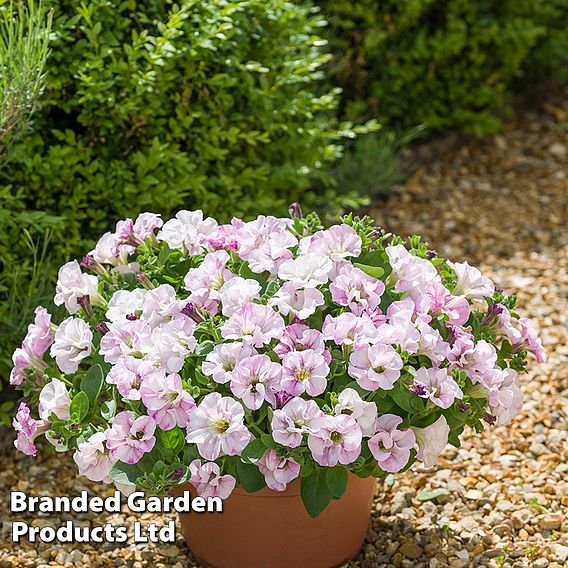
271,529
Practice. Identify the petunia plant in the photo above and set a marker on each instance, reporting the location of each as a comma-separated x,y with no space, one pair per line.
257,353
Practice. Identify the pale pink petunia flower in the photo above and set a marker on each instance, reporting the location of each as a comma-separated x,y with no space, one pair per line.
296,300
437,385
304,371
129,438
389,445
298,417
126,338
72,284
220,363
350,330
166,400
365,413
208,481
217,425
356,290
188,231
27,428
306,271
93,459
160,305
236,292
299,337
470,281
172,343
431,441
40,334
504,394
128,374
337,441
206,281
255,379
125,304
54,399
375,367
337,243
277,471
72,344
254,324
530,340
413,274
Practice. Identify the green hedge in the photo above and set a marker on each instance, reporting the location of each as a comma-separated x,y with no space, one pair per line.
447,64
152,105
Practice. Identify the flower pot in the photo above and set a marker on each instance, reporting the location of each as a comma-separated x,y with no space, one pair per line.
269,529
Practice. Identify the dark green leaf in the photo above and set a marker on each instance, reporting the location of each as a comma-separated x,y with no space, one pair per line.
79,406
337,478
92,382
250,478
315,492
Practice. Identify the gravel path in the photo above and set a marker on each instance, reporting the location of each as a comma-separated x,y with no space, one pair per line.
502,498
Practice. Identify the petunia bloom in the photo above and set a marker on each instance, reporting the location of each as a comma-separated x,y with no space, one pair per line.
129,438
365,413
254,324
217,425
438,386
337,441
255,379
277,471
72,344
94,459
208,481
431,441
298,417
304,371
389,445
375,366
54,399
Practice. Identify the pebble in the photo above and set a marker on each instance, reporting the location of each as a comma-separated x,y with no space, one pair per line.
560,552
551,521
411,550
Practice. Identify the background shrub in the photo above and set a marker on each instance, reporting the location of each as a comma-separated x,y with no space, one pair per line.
152,105
447,64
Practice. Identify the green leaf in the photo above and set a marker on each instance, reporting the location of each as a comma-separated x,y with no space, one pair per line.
108,409
125,473
374,271
79,406
170,441
254,451
431,495
250,478
337,478
315,492
92,382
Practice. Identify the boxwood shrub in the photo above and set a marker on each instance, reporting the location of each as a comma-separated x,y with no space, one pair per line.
155,105
447,64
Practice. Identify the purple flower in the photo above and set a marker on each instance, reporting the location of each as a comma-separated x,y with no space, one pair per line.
438,386
208,481
298,417
389,445
130,438
277,471
217,425
337,441
255,379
